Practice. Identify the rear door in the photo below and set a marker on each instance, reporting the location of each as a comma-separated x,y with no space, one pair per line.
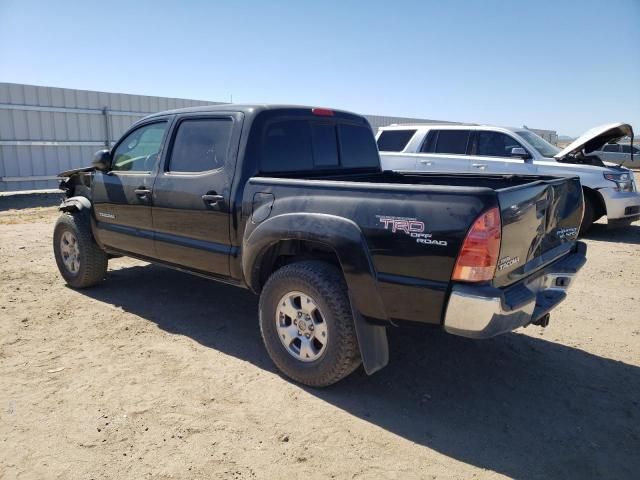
610,153
191,194
490,152
122,197
391,145
444,151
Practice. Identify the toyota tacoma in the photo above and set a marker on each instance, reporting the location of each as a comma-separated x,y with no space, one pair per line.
292,204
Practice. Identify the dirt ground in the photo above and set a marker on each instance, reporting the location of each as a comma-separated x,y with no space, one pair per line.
158,374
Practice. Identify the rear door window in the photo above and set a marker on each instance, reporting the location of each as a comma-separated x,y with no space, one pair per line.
446,141
394,140
201,145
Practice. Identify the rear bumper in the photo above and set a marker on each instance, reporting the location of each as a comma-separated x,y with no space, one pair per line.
484,311
621,205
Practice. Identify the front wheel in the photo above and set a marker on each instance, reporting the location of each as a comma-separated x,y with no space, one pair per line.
82,263
589,216
307,325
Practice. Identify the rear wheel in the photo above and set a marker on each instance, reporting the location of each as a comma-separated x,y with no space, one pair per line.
307,325
82,263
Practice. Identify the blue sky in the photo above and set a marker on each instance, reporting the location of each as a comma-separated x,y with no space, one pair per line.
565,65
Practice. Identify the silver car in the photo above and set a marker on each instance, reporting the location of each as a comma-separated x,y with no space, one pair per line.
620,153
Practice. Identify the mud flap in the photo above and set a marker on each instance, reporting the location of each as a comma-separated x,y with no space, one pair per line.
373,344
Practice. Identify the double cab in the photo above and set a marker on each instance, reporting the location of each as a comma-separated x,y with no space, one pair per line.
291,203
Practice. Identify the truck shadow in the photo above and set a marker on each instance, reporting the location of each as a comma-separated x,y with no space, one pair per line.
629,234
518,405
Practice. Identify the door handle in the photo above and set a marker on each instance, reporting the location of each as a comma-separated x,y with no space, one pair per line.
212,199
142,192
426,162
480,166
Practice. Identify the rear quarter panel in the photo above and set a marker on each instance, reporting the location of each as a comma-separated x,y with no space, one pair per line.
411,233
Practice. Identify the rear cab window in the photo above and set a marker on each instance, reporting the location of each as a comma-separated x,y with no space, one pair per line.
309,144
394,140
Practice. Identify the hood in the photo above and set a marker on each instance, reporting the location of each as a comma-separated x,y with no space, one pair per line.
595,138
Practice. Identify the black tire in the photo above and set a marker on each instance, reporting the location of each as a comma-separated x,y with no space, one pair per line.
589,215
92,260
325,284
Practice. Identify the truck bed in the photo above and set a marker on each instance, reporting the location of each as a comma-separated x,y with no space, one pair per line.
539,217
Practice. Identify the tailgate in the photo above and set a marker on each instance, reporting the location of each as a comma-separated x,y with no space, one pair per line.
540,223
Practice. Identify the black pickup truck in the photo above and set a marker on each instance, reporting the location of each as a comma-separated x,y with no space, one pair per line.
291,203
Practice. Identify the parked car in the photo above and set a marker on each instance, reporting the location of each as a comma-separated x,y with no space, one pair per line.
291,203
620,154
609,189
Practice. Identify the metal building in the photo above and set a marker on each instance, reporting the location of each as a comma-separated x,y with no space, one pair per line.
46,130
377,121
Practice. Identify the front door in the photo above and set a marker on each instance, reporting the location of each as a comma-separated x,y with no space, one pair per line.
122,197
191,194
490,152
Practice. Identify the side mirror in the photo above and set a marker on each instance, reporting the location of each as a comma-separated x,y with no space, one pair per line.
520,152
102,160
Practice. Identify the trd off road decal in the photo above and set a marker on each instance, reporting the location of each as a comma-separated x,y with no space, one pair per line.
412,227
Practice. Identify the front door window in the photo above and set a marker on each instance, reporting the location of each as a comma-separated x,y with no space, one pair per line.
139,150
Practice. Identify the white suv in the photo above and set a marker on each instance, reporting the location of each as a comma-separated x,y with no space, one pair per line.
609,189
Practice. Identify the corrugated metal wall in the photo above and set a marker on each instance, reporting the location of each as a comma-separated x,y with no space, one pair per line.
45,130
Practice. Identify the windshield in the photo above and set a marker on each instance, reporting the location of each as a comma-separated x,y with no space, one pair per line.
540,144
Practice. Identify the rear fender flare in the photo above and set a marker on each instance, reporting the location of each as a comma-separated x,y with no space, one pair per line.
345,238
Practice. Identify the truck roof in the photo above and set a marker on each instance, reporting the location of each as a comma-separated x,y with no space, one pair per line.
249,109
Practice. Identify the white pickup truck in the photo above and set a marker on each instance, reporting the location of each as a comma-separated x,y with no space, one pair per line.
609,189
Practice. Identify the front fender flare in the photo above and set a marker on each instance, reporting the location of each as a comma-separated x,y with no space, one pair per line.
75,204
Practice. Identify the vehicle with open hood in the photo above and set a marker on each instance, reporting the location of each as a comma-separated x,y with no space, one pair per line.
291,203
609,189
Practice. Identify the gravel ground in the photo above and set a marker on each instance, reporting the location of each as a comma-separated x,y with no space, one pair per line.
158,374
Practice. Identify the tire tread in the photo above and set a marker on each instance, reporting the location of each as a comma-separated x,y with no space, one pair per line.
93,260
330,284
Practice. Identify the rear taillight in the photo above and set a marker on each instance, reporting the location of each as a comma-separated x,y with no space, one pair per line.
479,253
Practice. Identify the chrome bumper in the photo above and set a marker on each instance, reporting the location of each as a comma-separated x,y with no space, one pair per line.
484,311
